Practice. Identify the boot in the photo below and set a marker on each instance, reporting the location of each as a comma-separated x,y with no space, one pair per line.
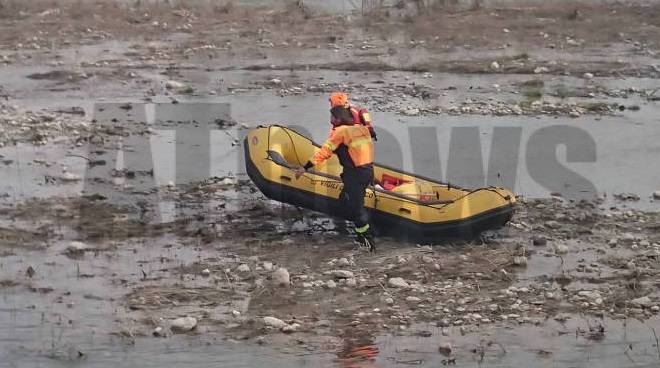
367,239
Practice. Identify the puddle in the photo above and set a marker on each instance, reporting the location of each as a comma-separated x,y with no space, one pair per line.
571,344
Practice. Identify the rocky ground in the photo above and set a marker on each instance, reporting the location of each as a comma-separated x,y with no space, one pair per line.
235,266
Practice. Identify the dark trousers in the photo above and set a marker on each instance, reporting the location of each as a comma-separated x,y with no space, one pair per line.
356,181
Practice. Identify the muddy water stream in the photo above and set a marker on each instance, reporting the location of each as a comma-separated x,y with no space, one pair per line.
577,156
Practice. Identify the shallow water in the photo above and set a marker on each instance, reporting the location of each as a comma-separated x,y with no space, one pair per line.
527,154
624,344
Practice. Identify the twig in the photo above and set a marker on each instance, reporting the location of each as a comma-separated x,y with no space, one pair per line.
657,344
80,156
629,357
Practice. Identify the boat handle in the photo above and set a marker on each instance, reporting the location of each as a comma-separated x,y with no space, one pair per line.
285,178
405,210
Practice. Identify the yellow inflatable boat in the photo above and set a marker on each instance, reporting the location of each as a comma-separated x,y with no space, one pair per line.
400,203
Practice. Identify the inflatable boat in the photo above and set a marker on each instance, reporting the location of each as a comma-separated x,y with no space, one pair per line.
400,203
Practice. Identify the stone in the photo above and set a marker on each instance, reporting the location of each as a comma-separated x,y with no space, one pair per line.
183,324
574,114
76,249
588,76
590,294
413,299
174,85
243,268
541,70
398,282
495,65
291,328
389,301
411,111
656,194
281,277
323,323
343,262
268,266
330,284
627,196
235,313
427,259
539,241
561,249
445,348
274,322
627,238
552,224
351,282
520,261
158,332
228,181
342,274
644,301
67,176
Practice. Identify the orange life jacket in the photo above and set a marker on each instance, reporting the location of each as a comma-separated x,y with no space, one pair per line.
357,140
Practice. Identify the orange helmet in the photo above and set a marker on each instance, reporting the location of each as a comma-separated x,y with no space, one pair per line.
338,99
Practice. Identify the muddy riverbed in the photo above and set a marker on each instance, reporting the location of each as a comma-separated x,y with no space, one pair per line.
130,233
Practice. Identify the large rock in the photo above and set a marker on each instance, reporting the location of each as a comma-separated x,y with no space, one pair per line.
398,282
175,85
274,322
183,324
520,261
656,194
243,268
268,266
281,277
644,301
561,249
342,274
